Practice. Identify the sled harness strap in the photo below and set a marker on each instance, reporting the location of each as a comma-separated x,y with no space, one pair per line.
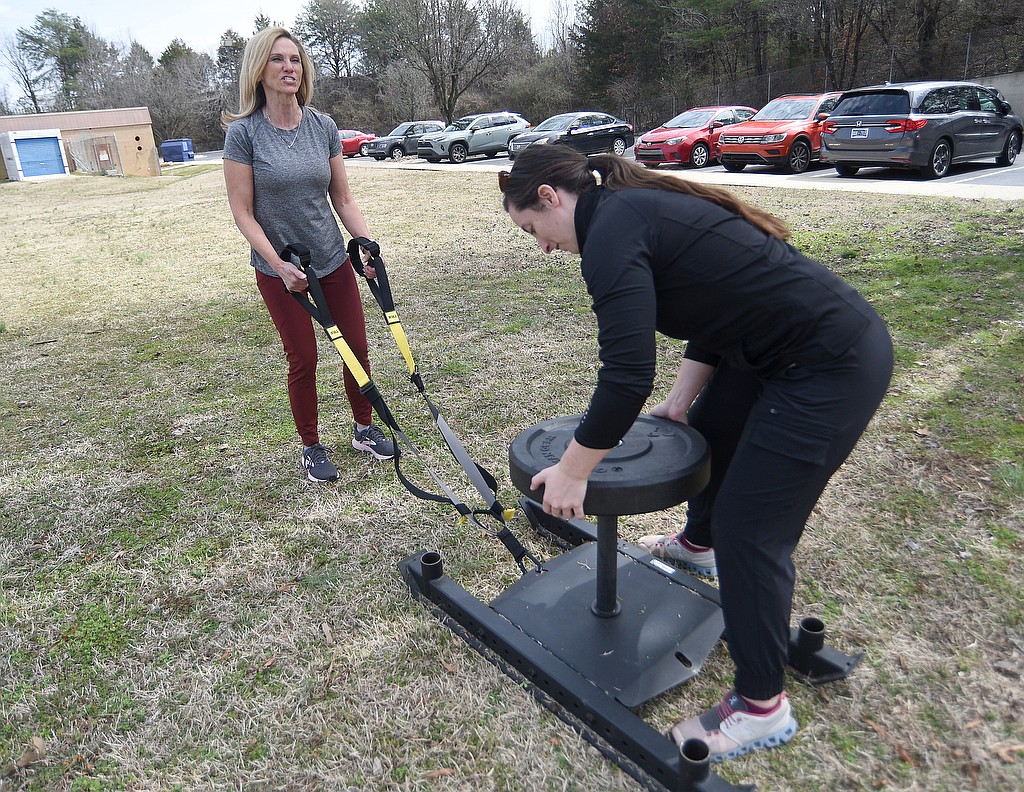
315,304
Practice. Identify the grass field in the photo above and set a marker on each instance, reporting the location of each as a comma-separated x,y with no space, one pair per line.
179,609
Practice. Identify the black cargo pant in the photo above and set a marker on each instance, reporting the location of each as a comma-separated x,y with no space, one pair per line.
774,445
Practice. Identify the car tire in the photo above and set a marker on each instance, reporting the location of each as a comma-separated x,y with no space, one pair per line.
458,153
379,159
847,171
1010,150
364,150
492,154
651,165
619,147
734,167
349,156
700,156
397,153
938,161
799,158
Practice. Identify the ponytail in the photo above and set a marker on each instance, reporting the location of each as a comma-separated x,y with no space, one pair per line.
561,167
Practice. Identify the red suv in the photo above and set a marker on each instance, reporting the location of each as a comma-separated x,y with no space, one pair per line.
785,133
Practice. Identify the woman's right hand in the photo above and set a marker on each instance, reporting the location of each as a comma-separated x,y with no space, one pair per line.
294,279
665,410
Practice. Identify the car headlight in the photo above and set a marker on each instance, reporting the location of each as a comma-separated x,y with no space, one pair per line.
773,138
675,141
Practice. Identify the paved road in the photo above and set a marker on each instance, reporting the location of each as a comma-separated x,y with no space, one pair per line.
983,179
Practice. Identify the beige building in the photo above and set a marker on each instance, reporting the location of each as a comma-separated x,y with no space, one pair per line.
118,142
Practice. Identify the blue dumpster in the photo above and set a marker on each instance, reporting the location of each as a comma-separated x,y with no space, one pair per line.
179,150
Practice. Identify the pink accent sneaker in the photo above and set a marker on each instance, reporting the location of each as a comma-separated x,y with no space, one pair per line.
671,549
730,729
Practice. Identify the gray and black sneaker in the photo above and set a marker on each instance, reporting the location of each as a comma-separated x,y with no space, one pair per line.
316,464
373,440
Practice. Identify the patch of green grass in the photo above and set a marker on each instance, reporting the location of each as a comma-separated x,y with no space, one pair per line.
1011,474
190,171
967,415
96,631
930,300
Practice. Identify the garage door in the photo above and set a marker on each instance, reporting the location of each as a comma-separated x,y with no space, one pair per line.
40,156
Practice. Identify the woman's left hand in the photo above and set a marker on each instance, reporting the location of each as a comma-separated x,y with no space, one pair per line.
369,271
563,493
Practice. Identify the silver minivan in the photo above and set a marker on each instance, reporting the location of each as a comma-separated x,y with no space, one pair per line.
925,126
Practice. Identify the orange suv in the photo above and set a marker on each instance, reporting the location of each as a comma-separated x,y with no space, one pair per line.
785,133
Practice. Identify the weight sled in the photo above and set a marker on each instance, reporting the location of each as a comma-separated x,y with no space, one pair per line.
592,660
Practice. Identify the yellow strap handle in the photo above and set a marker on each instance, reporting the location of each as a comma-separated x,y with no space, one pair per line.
403,343
348,356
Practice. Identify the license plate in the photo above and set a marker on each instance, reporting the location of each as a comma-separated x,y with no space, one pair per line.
856,134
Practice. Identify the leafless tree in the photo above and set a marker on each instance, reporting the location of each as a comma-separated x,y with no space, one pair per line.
330,31
454,44
99,73
26,78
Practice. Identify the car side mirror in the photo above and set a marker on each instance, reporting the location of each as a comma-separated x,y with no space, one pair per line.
716,125
822,116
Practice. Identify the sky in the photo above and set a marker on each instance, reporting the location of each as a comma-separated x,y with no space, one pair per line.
199,23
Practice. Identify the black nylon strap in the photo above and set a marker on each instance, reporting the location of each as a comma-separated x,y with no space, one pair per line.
317,308
484,482
379,285
481,478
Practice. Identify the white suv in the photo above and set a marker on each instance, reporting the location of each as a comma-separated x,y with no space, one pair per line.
486,133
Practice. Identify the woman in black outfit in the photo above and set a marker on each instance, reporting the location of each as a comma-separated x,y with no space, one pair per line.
785,364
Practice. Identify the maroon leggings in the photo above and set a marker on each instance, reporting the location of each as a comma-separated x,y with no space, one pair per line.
299,339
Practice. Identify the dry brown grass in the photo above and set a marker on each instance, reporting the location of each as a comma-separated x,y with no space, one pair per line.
179,610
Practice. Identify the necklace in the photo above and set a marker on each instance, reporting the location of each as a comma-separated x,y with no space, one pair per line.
282,132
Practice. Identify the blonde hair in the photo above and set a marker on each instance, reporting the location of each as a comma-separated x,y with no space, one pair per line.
251,96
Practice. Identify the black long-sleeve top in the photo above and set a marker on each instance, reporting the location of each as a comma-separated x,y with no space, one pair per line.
655,260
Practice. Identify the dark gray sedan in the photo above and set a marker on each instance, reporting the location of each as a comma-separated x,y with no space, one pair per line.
590,132
926,126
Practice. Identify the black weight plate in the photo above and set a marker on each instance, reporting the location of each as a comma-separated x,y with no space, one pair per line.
658,464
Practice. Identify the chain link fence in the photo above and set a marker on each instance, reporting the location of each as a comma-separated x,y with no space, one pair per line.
96,154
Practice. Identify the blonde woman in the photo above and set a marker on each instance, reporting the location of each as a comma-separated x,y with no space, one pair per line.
284,170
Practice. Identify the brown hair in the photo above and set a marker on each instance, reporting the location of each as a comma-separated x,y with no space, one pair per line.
255,56
562,167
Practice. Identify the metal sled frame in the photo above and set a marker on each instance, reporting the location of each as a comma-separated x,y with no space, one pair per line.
615,730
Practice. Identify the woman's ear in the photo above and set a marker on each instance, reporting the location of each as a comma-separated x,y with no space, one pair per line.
548,195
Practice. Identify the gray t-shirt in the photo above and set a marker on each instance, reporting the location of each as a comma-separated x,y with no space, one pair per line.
291,172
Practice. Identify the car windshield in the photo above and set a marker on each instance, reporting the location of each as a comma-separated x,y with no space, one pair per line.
461,124
892,103
400,130
786,110
690,119
556,123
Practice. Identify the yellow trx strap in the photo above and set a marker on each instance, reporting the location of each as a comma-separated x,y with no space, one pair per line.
484,482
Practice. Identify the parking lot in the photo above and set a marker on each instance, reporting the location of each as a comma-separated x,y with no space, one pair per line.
983,179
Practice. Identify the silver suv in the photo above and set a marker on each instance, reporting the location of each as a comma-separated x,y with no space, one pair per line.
484,133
